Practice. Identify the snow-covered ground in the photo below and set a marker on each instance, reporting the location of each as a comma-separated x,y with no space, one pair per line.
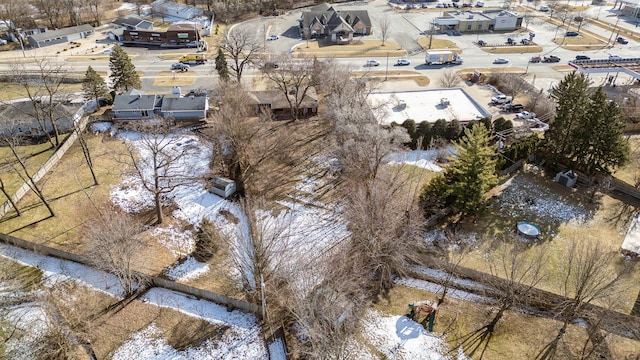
426,159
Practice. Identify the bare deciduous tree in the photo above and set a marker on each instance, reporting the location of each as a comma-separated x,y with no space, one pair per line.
384,28
294,78
242,49
45,88
53,10
588,275
449,79
264,157
114,243
161,168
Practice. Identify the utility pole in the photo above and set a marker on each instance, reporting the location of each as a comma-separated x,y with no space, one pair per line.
386,74
431,33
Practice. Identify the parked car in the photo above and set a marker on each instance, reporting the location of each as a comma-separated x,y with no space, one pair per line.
372,63
403,62
525,41
551,59
622,40
273,37
500,61
535,59
525,115
511,41
180,66
482,43
544,8
501,99
614,57
479,4
440,5
513,108
582,57
464,5
571,33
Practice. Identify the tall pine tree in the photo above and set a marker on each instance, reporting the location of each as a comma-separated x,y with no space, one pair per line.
123,74
573,103
588,128
464,183
94,86
600,145
221,65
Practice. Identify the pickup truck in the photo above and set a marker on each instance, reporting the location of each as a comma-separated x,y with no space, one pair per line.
501,99
513,108
525,115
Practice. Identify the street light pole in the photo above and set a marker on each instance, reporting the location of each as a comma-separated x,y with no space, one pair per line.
386,74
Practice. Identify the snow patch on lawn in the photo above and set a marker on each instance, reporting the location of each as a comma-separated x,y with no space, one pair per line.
523,199
190,269
398,337
240,340
179,242
425,159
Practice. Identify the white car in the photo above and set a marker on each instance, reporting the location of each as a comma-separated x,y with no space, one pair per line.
525,115
402,62
373,63
273,37
544,8
614,57
500,61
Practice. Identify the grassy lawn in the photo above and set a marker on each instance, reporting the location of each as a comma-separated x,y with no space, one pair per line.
35,156
14,91
395,75
439,44
631,172
363,48
599,225
518,336
508,69
168,78
516,49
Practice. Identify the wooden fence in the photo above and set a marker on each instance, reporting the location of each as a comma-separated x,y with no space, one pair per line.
80,121
154,280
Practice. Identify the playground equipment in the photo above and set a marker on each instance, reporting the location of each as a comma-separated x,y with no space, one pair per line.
424,310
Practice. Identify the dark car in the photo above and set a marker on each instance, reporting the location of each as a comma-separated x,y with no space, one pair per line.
482,43
513,107
571,33
551,59
582,57
622,40
511,41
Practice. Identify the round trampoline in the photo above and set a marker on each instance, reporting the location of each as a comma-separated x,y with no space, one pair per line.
528,229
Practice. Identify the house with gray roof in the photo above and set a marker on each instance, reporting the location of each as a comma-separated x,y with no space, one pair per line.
22,119
323,21
60,36
131,22
276,103
136,106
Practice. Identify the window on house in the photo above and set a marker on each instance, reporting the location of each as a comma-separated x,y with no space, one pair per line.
145,113
469,27
479,26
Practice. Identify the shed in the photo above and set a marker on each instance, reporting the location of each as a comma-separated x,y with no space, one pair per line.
60,36
222,186
567,178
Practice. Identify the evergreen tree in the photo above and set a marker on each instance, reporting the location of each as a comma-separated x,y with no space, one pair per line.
599,142
502,124
473,172
440,128
425,133
573,104
94,86
221,65
410,125
123,74
454,129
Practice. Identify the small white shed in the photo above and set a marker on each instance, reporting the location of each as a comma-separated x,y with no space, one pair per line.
567,178
223,187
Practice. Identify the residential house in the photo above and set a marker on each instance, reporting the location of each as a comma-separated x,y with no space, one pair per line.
133,23
136,106
21,119
60,36
339,26
275,102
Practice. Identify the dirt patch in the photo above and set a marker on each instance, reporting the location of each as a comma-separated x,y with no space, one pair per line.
516,49
439,44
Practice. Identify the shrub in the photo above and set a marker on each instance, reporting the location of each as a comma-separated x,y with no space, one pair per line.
207,241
